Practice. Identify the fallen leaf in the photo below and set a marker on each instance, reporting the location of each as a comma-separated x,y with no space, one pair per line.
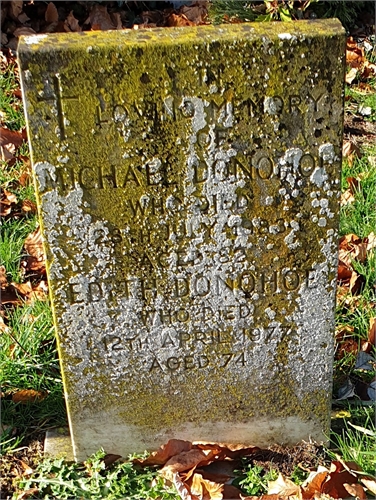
371,241
28,292
26,469
356,490
313,483
351,247
338,475
354,54
183,462
28,207
350,76
165,452
26,396
3,277
71,23
364,361
35,261
344,272
24,31
369,69
99,18
347,197
369,483
51,15
32,492
16,7
346,391
178,20
353,184
349,150
3,327
7,201
356,282
10,137
204,489
372,331
283,486
196,12
110,458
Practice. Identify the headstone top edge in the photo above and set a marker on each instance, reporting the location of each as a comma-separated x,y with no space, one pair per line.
173,35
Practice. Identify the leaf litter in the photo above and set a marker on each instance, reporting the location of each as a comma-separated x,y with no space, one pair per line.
186,465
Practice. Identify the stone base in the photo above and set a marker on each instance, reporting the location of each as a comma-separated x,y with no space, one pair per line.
58,443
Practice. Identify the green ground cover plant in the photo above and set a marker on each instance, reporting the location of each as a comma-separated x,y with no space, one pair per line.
32,397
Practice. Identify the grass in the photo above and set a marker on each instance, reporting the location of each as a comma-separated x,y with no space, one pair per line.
360,217
356,441
11,114
12,239
28,360
28,357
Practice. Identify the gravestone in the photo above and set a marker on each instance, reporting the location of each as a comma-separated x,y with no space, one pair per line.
188,187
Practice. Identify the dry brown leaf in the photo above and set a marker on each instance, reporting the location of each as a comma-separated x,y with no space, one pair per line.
354,54
16,8
372,331
371,241
99,18
350,147
110,458
350,76
51,15
347,197
32,492
369,69
71,23
351,247
28,292
3,277
356,282
24,178
24,31
369,483
183,462
356,490
35,261
26,469
7,202
230,492
354,184
338,476
344,272
204,489
197,12
181,487
165,452
116,20
26,396
283,486
10,137
178,20
3,327
28,207
313,483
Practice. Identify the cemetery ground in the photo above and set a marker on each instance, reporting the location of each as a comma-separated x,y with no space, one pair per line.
32,396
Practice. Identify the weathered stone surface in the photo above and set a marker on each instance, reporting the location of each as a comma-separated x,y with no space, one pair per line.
188,184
